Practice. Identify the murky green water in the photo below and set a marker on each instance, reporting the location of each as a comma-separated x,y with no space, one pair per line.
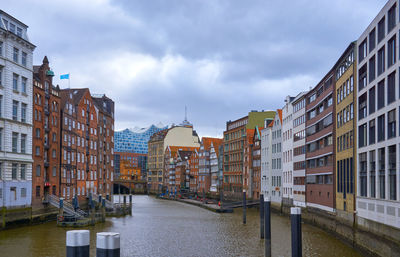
167,228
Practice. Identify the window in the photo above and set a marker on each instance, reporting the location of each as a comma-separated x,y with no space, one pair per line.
23,192
15,54
391,123
381,29
1,71
362,50
1,49
1,103
37,191
23,85
362,77
15,110
372,40
54,171
38,170
381,128
23,112
372,169
23,171
37,150
392,172
15,82
391,51
391,18
14,142
1,142
362,135
19,32
371,69
381,60
363,174
23,143
381,169
23,58
381,94
372,132
12,27
371,102
37,132
362,107
14,171
391,92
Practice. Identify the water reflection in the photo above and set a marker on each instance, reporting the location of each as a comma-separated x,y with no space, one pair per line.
166,228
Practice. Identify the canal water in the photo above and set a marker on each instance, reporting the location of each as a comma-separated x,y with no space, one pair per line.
169,228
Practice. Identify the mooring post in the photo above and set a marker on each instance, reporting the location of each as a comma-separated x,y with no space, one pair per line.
108,244
61,211
261,216
244,206
78,243
103,209
267,226
295,218
204,197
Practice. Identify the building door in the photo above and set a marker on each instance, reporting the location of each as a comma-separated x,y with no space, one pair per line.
13,195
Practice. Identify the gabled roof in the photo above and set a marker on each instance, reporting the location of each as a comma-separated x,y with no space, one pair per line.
174,149
279,111
77,94
207,141
184,155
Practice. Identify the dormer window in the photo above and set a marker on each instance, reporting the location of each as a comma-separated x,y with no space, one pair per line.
12,27
19,32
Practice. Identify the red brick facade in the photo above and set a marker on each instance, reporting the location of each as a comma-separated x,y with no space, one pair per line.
46,135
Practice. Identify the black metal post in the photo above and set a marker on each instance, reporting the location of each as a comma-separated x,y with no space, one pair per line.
261,216
204,197
244,206
267,226
295,218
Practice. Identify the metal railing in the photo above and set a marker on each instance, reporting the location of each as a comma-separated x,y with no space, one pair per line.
67,207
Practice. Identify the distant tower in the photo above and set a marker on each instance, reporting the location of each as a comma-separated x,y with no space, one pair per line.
185,122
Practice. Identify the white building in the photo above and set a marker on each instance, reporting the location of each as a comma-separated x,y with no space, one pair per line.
299,150
378,181
287,151
214,169
15,113
266,157
271,159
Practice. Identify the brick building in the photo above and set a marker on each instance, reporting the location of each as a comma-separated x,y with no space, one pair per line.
105,151
46,135
79,144
235,142
320,131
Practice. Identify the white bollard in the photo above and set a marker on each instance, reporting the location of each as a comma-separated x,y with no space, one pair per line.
108,244
78,243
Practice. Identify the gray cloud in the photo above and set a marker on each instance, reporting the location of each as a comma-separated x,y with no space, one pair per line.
220,58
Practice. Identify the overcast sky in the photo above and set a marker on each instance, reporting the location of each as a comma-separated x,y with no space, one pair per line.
220,58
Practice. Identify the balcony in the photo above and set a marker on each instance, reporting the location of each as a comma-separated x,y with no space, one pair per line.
46,163
46,128
46,146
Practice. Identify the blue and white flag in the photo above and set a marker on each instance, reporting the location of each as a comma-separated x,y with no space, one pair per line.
64,76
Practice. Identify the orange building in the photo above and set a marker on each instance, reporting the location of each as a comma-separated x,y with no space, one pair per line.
129,172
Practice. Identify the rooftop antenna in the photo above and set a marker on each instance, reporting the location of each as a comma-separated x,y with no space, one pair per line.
185,112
